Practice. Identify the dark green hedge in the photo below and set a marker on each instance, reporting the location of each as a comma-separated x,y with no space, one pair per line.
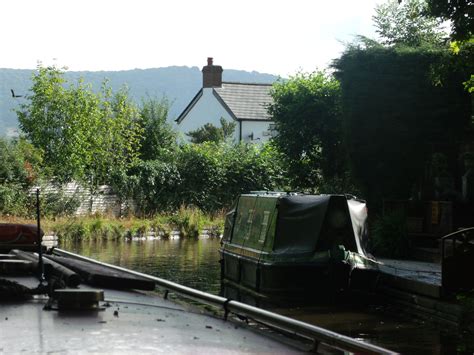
397,111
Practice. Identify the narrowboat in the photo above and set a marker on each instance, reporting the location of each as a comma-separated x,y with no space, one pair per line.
292,244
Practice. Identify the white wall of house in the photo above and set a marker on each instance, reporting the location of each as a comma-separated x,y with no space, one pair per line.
206,110
260,130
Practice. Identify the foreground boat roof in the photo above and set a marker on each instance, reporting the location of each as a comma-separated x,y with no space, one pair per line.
131,322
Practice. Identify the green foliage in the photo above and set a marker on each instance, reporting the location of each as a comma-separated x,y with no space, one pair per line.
394,116
306,111
466,299
211,133
208,176
458,12
404,23
249,167
20,162
390,236
90,228
19,169
463,61
13,200
188,221
159,138
83,135
201,170
214,174
154,186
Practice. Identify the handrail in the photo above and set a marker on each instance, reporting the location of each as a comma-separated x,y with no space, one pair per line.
453,237
301,328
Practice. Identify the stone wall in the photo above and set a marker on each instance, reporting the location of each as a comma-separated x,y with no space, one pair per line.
104,201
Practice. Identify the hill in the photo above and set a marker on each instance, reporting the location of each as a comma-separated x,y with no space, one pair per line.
178,84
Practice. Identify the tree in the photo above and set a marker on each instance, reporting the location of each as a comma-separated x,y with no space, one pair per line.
306,111
82,135
406,24
211,133
159,138
459,12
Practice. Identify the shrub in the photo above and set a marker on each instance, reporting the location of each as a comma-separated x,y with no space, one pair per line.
13,200
390,236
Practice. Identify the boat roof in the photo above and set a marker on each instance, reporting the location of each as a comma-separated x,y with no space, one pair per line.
131,322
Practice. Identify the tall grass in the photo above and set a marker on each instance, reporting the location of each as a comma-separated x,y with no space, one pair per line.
189,222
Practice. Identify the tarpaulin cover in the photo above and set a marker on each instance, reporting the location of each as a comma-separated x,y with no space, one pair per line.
300,219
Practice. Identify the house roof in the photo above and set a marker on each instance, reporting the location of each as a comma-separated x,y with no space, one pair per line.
246,101
243,101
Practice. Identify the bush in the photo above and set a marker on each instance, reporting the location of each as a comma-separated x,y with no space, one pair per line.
208,176
390,236
13,200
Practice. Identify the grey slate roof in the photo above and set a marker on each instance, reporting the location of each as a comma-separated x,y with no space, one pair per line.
243,101
246,101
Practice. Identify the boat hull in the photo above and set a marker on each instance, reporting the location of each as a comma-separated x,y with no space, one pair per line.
285,278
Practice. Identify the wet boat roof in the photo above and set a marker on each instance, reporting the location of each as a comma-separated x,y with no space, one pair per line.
131,321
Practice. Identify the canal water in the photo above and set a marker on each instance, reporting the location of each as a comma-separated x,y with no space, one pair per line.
195,263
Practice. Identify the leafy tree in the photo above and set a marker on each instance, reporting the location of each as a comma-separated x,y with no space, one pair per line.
459,12
405,24
83,135
306,111
159,138
211,133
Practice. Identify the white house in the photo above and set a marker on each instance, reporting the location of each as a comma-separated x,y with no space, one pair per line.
245,104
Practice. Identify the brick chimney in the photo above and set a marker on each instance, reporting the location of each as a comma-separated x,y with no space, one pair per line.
211,75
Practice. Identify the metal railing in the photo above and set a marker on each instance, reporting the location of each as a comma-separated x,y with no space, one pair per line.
457,261
460,238
317,334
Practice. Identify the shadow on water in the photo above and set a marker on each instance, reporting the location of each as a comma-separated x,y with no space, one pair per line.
195,263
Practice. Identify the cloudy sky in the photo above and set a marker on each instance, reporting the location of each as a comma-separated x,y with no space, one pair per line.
270,36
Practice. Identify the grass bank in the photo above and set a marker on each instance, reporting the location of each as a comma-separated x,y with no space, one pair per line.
189,222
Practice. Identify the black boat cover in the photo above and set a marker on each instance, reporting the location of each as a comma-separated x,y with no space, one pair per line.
300,219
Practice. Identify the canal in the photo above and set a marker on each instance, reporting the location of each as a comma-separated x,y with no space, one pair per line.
195,263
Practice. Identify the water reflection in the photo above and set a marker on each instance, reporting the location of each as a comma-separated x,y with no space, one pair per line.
195,263
190,262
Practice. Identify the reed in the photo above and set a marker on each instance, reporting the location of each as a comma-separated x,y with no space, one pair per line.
189,222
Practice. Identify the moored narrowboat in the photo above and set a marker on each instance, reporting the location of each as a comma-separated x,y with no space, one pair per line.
290,243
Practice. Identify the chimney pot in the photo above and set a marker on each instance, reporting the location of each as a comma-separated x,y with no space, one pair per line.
209,61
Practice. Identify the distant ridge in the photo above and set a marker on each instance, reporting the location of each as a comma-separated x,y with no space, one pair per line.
178,83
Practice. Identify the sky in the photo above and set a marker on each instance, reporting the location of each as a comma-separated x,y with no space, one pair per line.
269,36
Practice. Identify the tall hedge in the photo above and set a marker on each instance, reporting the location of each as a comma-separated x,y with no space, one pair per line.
395,115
